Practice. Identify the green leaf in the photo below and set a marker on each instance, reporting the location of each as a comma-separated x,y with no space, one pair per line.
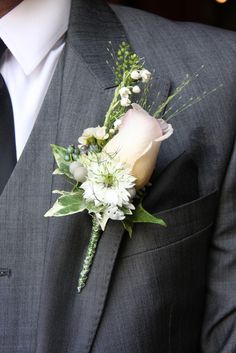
127,211
62,192
103,221
128,227
140,215
63,166
71,203
57,172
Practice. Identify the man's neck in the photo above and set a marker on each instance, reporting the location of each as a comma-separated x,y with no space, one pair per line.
7,5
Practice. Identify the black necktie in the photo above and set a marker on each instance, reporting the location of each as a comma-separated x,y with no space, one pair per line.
7,132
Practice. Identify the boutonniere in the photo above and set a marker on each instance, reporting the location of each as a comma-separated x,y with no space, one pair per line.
112,164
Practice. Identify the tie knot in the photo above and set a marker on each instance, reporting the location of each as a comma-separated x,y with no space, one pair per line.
2,47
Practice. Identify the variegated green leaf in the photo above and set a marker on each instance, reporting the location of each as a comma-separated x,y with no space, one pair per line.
140,215
71,203
63,166
128,227
57,172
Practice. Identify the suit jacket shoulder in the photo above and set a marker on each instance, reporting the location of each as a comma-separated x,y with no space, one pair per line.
153,27
175,49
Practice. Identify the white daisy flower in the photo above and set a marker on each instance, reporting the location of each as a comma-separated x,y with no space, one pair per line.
108,183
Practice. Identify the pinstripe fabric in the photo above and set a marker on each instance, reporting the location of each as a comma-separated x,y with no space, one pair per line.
165,290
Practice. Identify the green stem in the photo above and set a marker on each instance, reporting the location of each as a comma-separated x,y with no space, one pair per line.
113,105
91,251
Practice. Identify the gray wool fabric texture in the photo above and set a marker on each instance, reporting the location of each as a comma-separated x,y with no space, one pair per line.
167,290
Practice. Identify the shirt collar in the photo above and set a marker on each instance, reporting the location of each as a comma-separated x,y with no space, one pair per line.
32,28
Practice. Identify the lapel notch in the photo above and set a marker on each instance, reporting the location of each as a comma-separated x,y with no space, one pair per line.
93,25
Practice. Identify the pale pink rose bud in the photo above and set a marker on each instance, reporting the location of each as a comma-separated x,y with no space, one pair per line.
137,143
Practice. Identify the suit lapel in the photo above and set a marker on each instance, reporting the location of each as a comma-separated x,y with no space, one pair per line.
92,26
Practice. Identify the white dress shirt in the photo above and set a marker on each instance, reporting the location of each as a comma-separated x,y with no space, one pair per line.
34,33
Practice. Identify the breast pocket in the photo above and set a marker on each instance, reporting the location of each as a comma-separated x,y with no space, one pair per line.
182,222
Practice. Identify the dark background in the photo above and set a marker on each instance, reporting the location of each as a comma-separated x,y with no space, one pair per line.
206,11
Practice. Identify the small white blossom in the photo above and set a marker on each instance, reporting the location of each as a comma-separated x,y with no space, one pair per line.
136,89
98,133
124,92
135,75
114,213
87,134
111,212
117,124
145,75
125,102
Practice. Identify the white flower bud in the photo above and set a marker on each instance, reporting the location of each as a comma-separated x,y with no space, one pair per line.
74,166
124,92
145,75
125,102
135,75
80,174
136,89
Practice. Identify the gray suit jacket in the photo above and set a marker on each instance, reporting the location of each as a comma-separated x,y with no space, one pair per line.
167,290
